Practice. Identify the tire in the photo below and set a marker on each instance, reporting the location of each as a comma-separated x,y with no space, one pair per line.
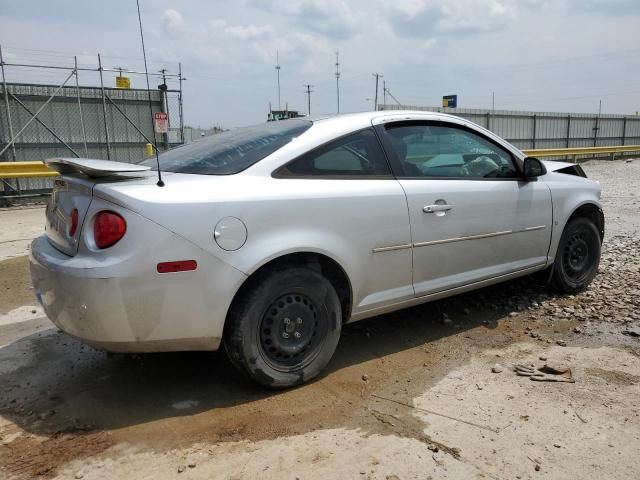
284,328
578,256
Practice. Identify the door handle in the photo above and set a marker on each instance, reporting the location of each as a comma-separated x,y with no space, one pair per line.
436,208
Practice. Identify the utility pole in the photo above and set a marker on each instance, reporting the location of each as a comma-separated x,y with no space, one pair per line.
308,91
278,75
164,105
493,101
384,92
164,82
338,80
375,103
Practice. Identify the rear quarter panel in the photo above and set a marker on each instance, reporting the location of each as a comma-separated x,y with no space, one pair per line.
342,219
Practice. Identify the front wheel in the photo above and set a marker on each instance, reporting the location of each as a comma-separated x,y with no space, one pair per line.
578,256
284,328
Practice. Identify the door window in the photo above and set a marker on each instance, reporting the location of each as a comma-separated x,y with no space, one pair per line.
439,151
356,155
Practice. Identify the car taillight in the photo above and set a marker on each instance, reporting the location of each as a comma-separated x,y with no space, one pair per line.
73,222
108,229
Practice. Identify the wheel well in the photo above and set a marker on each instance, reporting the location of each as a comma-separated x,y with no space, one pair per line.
322,264
593,213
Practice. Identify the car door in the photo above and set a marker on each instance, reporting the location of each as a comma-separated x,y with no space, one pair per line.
344,195
472,215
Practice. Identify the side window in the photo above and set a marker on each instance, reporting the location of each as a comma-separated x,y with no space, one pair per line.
357,154
448,152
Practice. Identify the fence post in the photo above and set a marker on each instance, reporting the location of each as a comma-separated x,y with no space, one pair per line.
624,130
84,133
488,120
534,130
595,132
104,109
180,102
568,131
6,102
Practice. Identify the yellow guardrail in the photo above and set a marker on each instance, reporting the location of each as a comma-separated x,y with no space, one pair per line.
575,152
25,170
40,170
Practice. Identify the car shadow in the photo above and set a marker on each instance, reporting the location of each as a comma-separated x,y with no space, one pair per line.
52,383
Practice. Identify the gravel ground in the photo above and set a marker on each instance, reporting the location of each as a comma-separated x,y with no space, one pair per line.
408,395
620,197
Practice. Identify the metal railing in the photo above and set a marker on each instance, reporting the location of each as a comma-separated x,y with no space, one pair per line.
574,153
39,169
25,170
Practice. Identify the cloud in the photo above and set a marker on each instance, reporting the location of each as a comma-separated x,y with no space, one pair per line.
172,22
427,17
331,18
263,41
427,44
294,49
242,32
249,32
522,49
608,7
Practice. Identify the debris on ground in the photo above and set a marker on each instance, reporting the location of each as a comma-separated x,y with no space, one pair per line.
545,374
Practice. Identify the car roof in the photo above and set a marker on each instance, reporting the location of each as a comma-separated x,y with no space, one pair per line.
367,117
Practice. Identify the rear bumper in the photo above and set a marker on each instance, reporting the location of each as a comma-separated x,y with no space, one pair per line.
124,305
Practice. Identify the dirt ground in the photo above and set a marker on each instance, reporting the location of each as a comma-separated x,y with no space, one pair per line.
410,395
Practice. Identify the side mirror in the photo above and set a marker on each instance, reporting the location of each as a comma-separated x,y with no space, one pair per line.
533,168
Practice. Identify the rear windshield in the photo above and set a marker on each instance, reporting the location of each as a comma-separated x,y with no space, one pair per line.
232,151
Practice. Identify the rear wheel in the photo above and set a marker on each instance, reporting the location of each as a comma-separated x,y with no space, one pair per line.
284,328
578,256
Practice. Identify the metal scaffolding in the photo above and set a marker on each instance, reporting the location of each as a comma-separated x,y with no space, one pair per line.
68,118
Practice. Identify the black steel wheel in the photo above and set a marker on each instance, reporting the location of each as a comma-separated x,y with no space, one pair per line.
578,256
284,327
290,332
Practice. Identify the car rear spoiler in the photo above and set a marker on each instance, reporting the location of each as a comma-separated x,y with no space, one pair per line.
96,168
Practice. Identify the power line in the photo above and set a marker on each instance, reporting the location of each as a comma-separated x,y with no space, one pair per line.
394,98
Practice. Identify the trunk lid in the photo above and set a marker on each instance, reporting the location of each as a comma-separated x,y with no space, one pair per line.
74,192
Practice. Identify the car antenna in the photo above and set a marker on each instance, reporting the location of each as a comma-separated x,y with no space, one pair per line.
160,183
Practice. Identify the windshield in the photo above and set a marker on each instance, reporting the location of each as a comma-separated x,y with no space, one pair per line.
232,151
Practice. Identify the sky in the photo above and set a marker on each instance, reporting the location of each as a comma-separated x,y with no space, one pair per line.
539,55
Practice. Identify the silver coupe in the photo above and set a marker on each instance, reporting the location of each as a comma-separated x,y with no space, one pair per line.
268,239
